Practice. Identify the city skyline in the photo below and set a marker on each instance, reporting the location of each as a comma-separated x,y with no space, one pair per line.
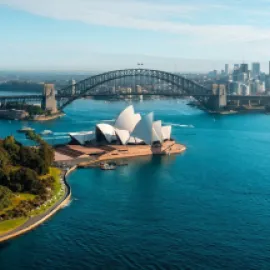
173,35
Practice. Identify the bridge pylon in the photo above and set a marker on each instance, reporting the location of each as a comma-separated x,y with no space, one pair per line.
218,100
48,100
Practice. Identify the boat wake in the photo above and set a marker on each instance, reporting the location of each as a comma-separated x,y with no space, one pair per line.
60,133
111,120
181,126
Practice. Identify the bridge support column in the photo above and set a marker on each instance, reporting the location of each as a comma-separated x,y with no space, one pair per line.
49,101
218,101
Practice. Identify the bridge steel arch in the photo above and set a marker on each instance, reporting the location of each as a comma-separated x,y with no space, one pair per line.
83,87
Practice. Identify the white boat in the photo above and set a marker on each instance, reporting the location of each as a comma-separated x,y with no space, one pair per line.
46,132
25,129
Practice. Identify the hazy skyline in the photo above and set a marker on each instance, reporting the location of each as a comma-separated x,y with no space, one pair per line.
105,34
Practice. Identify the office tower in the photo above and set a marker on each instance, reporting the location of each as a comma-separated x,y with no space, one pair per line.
73,87
256,70
242,76
227,69
235,74
244,68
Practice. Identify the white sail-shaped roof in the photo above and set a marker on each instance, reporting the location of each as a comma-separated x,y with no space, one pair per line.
108,131
82,137
123,136
125,120
157,132
144,128
166,132
136,119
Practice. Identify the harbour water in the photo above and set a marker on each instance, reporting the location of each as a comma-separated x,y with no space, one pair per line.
206,209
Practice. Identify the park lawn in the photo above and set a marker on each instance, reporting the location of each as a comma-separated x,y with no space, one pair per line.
55,173
57,194
8,225
23,197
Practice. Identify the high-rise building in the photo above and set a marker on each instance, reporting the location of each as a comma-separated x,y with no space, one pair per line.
267,83
236,66
244,68
235,74
227,69
73,86
242,77
256,70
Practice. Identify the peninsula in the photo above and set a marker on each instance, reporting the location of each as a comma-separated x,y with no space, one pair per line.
30,188
132,135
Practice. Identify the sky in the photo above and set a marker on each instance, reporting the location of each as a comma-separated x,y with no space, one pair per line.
176,35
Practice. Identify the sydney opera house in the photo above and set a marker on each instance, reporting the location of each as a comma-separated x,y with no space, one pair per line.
130,128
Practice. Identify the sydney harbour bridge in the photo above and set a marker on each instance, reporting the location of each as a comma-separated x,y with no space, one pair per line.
179,87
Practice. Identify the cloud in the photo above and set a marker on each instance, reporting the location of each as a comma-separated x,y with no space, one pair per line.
195,25
146,15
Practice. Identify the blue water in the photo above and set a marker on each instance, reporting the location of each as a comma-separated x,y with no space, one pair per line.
206,209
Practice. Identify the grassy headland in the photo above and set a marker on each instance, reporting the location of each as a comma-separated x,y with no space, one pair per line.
28,184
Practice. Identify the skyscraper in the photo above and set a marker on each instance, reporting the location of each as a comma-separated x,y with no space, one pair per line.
256,70
244,68
73,87
227,69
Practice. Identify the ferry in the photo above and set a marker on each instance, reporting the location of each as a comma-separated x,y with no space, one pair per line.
25,130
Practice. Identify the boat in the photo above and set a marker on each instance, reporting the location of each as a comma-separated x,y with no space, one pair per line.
25,130
46,132
107,166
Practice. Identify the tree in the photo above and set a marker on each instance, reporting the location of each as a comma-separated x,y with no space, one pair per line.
30,158
11,146
26,180
5,196
46,152
4,157
4,177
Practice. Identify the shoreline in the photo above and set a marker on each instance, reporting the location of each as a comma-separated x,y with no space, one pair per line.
38,220
47,118
37,119
113,157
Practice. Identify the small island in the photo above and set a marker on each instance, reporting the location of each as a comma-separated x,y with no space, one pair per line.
30,188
